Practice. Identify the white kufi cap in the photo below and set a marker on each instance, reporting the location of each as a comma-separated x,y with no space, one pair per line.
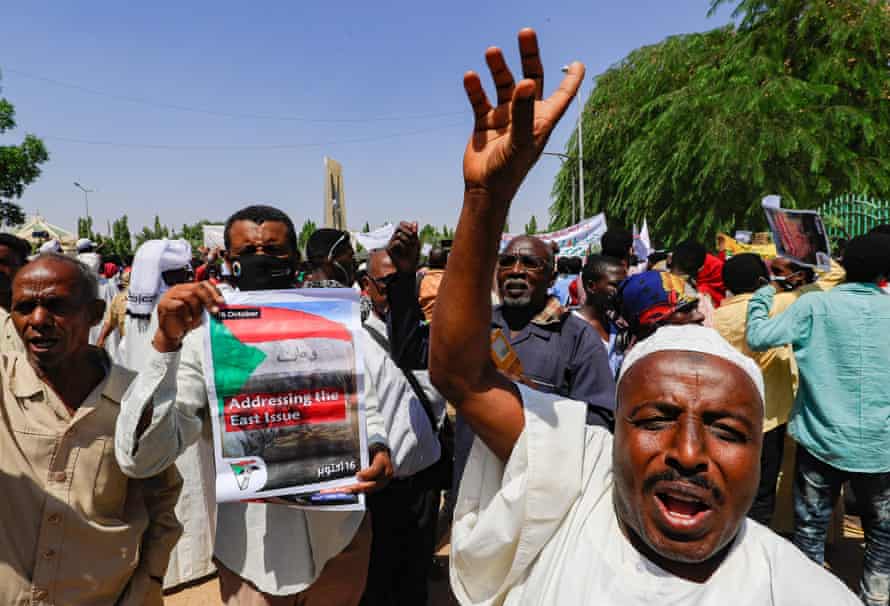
694,338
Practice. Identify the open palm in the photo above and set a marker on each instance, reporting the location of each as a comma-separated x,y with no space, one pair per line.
508,139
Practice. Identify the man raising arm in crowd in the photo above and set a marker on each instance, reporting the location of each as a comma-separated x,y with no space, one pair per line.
539,521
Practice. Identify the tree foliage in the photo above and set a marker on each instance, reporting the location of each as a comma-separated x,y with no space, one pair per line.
121,239
19,167
307,229
156,232
194,233
531,227
693,131
430,234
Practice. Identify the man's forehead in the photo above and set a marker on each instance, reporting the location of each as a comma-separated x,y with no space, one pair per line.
267,230
44,274
529,246
685,377
380,264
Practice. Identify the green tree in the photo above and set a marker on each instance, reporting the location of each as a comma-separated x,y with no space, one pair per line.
121,240
85,227
194,233
19,167
531,227
156,232
367,228
306,231
693,131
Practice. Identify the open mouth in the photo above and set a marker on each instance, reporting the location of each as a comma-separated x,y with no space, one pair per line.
515,288
682,510
42,344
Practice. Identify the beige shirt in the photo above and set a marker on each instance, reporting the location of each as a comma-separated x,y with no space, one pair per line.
75,529
10,341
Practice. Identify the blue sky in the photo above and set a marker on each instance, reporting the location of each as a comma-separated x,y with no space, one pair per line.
278,85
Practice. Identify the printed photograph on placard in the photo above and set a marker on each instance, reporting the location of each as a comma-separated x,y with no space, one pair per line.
285,383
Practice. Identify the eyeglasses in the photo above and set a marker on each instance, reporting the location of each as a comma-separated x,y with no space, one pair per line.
527,261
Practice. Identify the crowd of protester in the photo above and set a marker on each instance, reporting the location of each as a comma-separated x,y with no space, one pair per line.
611,430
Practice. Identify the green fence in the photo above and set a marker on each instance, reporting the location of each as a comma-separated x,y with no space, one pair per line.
852,215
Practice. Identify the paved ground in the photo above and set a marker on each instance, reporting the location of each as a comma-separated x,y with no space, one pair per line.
845,558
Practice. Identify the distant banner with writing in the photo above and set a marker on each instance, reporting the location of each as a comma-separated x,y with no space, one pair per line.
283,381
573,241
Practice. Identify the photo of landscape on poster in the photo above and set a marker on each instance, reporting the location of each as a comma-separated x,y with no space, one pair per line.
283,382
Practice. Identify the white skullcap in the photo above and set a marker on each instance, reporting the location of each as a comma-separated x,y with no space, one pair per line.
695,338
84,244
152,259
51,246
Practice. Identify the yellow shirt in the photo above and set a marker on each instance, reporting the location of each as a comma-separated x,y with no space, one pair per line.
780,375
117,312
429,290
779,369
75,529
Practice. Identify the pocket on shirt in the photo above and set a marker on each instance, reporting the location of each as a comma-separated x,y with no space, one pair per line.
110,486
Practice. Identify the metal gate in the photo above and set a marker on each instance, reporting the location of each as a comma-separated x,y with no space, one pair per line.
852,215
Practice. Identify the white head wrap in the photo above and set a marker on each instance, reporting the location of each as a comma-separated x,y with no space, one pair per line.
51,246
691,337
152,259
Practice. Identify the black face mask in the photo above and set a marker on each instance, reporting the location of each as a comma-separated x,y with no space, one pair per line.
262,272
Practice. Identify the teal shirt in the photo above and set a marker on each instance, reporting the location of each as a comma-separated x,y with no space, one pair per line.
841,340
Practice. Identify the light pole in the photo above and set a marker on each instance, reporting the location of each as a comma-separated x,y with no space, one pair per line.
563,158
565,69
86,197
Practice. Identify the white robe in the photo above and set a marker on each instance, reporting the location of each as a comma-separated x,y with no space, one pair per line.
542,530
192,558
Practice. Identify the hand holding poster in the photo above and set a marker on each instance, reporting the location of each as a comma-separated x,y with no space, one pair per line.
283,382
799,234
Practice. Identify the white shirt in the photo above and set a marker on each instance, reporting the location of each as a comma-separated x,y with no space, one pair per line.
542,530
413,443
281,550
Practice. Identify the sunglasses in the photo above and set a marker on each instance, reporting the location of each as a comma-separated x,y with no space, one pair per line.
527,261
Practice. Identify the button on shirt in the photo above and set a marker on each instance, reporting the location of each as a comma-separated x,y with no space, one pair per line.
281,550
562,354
75,529
542,529
840,341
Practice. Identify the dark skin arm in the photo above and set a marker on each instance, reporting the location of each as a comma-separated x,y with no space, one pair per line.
506,142
408,336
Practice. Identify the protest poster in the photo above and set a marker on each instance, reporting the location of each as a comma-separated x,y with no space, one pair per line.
799,235
573,241
283,380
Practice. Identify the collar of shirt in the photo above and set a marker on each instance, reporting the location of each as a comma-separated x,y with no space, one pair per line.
863,288
28,387
553,313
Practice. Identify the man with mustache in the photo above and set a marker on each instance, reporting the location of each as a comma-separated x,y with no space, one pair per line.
552,510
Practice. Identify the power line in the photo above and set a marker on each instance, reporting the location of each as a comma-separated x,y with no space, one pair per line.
219,114
249,146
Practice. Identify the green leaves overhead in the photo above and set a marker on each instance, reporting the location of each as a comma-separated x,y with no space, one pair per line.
693,131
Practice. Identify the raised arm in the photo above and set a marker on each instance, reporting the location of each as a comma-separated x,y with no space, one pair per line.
506,142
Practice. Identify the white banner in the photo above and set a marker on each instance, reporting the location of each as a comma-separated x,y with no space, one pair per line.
377,238
213,236
573,241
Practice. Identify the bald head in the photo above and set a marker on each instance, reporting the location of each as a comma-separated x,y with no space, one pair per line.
380,269
438,258
537,245
54,305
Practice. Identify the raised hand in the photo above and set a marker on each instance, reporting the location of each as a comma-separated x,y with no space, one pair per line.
181,310
508,139
404,248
